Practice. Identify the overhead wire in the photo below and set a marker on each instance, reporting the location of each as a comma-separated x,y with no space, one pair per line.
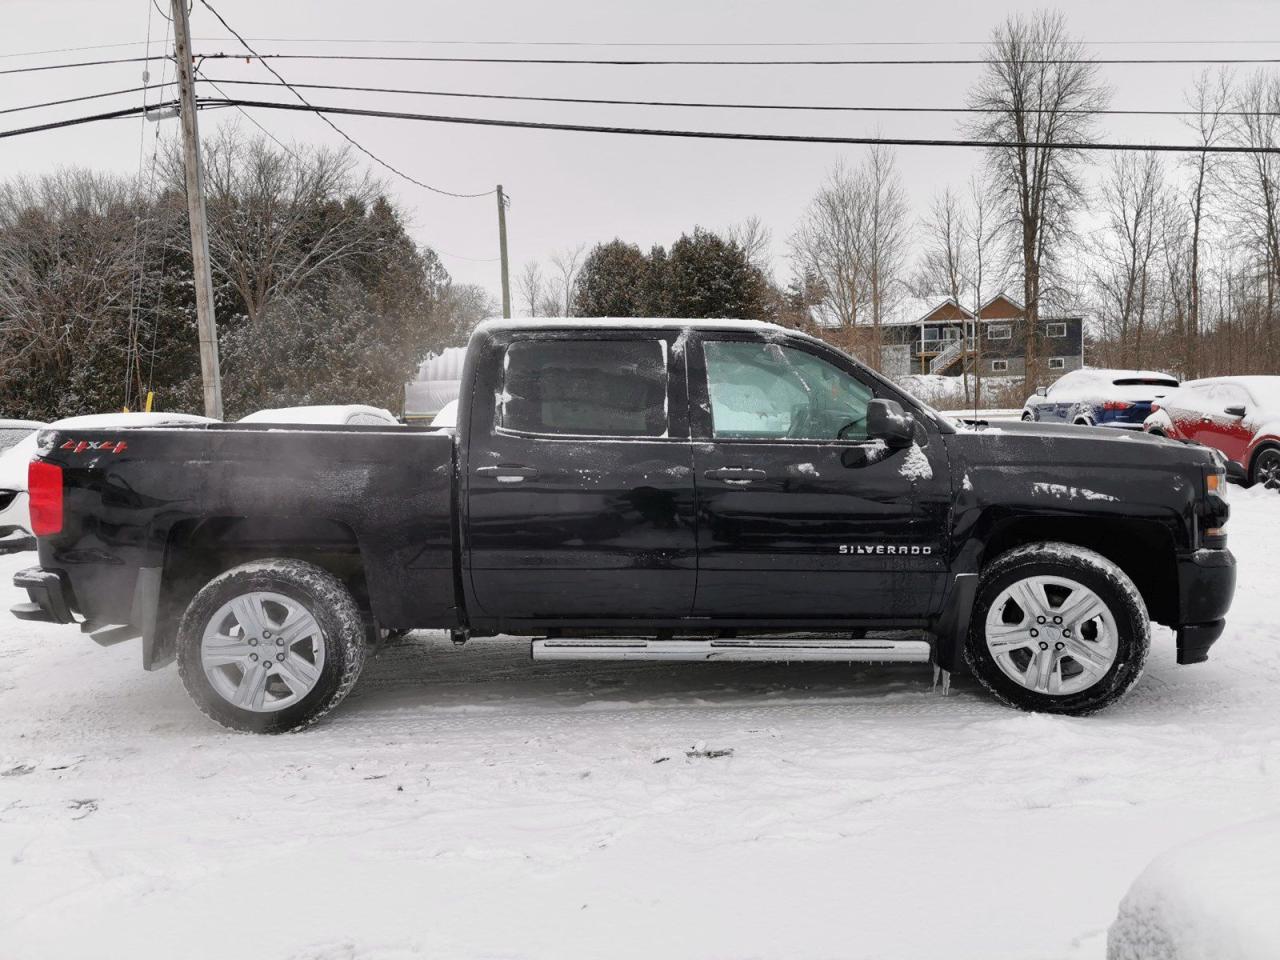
725,135
600,101
614,62
346,136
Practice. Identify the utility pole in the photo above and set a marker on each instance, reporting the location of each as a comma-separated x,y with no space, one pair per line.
209,369
502,245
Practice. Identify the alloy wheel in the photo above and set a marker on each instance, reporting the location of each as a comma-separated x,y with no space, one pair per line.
1052,635
262,651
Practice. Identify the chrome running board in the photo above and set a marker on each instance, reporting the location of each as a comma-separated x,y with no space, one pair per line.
772,649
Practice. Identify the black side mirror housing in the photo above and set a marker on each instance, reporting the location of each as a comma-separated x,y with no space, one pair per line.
887,421
1236,411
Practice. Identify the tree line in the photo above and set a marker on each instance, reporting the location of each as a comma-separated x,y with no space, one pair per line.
321,296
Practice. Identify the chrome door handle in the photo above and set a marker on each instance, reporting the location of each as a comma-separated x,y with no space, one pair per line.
735,474
507,473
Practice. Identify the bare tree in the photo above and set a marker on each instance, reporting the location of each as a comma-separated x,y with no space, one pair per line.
532,287
276,218
1209,97
987,270
1131,195
944,265
1253,187
829,246
888,214
1039,90
756,241
564,285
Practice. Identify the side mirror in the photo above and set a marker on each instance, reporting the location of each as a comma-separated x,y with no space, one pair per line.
1236,411
887,421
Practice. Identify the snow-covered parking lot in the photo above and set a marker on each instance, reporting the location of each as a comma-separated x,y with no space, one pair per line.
470,803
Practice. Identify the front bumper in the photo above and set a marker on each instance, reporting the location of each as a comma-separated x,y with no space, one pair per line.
1206,586
50,596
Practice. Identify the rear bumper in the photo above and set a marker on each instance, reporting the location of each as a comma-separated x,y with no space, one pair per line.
1206,586
50,596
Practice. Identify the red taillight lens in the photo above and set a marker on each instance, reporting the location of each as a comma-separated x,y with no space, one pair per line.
1117,405
1155,408
44,488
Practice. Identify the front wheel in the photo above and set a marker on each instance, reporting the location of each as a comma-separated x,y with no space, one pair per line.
1057,628
1266,469
271,646
1026,416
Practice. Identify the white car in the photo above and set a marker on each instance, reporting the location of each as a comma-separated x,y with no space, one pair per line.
15,512
447,418
347,414
14,454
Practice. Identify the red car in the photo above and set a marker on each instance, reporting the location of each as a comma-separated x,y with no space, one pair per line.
1238,416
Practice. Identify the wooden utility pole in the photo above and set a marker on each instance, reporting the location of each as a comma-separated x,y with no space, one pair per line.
209,369
502,245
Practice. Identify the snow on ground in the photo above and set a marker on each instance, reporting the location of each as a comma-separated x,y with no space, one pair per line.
470,803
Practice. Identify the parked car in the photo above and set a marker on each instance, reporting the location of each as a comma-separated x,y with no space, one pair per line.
678,490
1237,416
17,441
346,414
447,418
15,515
1101,398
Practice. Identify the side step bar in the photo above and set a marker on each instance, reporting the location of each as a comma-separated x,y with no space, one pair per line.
767,649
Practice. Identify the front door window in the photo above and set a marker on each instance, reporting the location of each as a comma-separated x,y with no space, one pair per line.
764,391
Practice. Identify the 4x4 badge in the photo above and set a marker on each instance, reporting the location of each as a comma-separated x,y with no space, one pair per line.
107,446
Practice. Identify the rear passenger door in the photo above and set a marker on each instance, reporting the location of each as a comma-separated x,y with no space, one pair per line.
579,480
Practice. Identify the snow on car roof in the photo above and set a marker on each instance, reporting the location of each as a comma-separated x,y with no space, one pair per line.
318,413
1264,389
1094,374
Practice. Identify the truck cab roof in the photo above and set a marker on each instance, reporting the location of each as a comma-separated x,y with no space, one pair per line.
629,323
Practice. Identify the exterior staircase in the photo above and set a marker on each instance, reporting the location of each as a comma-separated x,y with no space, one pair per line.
954,352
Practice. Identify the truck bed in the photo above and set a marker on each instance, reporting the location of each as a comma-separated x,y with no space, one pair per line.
384,492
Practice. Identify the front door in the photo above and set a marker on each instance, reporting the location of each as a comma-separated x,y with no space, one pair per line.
579,478
800,516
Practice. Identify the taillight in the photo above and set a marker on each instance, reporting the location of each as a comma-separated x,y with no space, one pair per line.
44,488
1155,408
1117,405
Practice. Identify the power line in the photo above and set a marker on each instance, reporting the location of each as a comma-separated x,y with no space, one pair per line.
77,121
346,136
81,63
733,43
89,96
878,62
721,135
722,106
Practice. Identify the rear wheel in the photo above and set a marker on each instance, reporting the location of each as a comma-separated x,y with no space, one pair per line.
1057,628
1266,469
1026,415
271,646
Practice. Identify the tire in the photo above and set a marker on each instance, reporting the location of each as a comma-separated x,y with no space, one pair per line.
313,664
1092,662
1266,468
1026,416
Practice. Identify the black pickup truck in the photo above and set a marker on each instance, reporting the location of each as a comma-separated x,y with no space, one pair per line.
660,490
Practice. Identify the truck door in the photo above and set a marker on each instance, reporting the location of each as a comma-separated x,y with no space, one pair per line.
800,516
579,477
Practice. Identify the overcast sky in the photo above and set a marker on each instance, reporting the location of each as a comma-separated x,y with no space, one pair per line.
569,188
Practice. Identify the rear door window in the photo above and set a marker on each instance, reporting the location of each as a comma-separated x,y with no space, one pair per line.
586,388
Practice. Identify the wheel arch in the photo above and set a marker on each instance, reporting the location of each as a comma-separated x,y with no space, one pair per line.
1262,447
1143,549
197,550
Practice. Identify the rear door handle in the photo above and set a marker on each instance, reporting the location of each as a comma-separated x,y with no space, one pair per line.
507,473
735,474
